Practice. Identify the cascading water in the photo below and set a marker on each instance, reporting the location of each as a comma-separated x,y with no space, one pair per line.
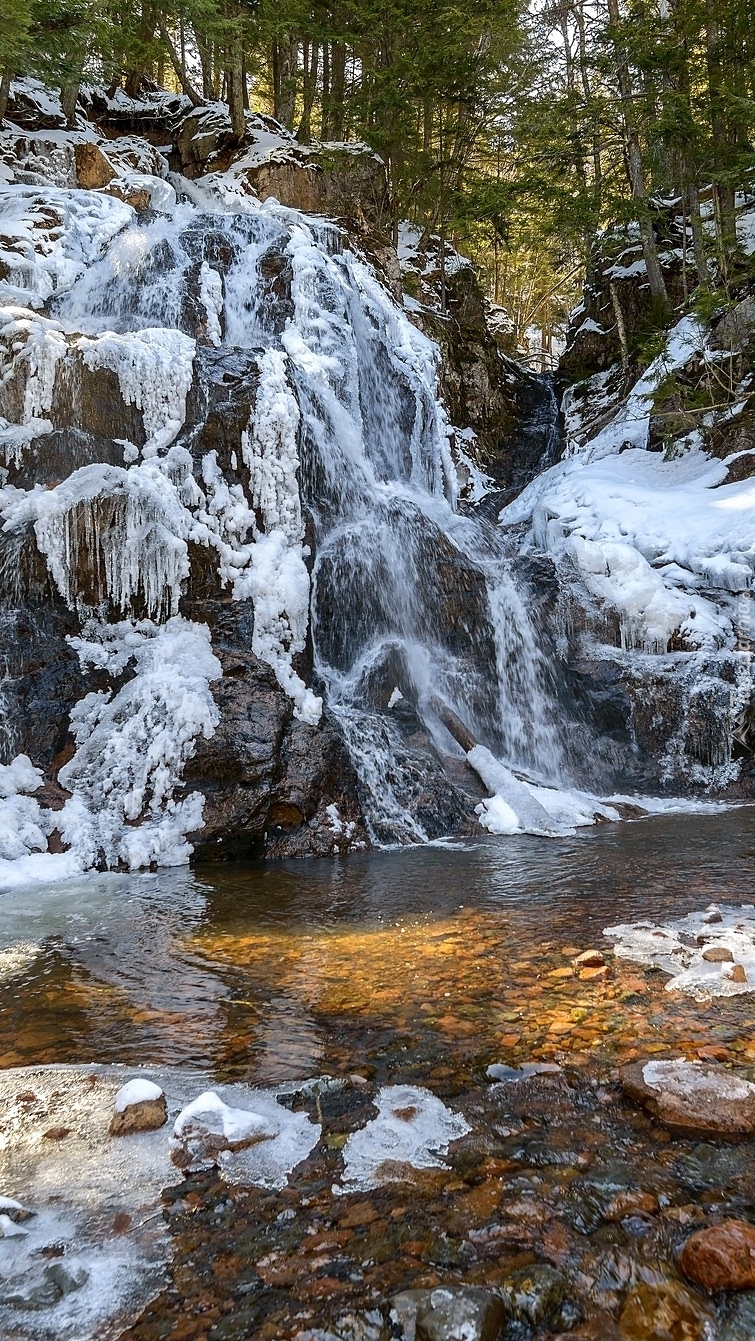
411,603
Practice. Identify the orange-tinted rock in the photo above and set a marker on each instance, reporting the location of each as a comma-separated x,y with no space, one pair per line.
663,1312
92,167
594,974
722,1257
590,959
631,1203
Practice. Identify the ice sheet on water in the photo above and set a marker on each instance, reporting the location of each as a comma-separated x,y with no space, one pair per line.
678,948
413,1127
80,1187
255,1141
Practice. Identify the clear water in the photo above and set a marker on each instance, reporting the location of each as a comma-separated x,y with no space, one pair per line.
419,966
274,972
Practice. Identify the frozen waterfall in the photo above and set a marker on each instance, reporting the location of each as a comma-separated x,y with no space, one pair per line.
335,515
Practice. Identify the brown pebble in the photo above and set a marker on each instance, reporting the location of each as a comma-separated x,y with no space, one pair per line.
56,1133
630,1203
718,954
738,973
590,959
594,974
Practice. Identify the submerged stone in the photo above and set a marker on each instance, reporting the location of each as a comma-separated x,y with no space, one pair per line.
722,1257
447,1313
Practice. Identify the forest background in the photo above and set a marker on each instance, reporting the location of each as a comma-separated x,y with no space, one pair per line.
524,135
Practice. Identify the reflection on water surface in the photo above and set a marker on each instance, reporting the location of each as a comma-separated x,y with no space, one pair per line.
418,963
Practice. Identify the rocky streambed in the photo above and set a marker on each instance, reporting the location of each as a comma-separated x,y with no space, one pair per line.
457,1057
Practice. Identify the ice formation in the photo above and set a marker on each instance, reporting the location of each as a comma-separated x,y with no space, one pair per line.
154,370
413,1127
698,951
131,746
75,1190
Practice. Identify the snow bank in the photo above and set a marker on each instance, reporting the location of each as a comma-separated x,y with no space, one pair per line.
656,539
22,827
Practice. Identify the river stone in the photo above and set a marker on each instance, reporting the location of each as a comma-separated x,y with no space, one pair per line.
693,1096
539,1295
663,1312
718,954
139,1106
447,1313
722,1257
590,959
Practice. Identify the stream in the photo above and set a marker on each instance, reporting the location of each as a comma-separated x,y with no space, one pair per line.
415,968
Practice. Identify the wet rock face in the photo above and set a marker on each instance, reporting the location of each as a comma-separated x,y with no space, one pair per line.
268,779
511,412
43,679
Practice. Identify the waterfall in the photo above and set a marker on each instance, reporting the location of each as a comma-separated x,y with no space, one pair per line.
411,602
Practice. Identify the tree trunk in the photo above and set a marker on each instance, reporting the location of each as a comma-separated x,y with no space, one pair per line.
636,170
325,105
621,330
311,61
234,75
205,49
180,70
5,83
338,91
288,60
725,217
69,94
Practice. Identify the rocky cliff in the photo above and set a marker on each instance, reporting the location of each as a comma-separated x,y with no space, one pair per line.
254,600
